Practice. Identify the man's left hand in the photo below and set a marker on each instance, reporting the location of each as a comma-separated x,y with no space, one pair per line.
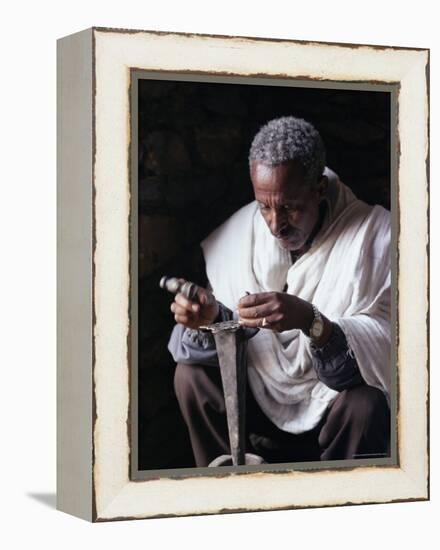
276,311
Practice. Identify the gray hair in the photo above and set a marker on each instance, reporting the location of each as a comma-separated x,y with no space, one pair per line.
289,138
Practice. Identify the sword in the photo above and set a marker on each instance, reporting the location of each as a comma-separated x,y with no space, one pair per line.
231,343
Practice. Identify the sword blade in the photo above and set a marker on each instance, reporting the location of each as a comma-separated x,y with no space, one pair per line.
231,351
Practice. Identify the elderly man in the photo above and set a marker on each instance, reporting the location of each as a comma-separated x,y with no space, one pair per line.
309,264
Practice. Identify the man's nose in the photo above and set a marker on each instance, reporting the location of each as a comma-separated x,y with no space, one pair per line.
277,222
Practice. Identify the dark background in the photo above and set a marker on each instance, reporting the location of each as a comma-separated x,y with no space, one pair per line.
193,144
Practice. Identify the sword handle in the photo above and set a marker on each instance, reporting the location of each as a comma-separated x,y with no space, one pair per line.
175,286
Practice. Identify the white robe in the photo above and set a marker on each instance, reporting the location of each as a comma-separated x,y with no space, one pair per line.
345,273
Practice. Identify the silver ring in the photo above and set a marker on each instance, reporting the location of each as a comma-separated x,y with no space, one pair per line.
265,322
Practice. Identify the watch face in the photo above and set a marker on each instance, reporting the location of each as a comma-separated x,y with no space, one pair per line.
317,328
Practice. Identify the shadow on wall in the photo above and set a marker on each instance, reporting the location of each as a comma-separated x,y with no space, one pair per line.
193,174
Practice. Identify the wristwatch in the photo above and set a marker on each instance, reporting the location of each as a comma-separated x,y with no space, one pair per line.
317,326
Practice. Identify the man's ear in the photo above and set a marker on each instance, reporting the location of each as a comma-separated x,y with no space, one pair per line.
322,186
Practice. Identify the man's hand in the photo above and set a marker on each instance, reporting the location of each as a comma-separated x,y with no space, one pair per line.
193,314
276,311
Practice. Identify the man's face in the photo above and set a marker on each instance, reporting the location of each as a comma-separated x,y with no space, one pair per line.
289,206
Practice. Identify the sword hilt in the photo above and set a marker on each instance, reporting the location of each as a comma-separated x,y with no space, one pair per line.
176,286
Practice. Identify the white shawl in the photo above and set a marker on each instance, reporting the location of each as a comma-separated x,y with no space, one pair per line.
345,273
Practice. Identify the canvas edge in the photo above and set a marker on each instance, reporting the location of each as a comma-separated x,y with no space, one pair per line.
74,274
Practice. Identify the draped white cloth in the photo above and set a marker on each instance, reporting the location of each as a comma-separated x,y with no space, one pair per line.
345,273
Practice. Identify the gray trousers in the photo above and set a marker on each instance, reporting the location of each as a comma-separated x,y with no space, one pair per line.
356,424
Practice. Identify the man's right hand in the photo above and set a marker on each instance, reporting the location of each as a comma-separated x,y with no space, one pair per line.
194,314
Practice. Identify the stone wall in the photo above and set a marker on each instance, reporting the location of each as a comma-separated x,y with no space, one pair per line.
193,174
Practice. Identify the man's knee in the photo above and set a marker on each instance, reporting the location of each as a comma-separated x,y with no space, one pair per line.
185,381
195,382
363,401
363,405
362,410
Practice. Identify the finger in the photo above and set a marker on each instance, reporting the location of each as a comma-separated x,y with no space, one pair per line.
205,297
257,312
189,305
180,310
251,323
272,322
182,320
255,299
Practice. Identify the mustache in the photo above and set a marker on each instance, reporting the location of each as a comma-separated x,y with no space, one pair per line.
287,232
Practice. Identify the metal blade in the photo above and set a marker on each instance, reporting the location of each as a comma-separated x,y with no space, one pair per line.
231,351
